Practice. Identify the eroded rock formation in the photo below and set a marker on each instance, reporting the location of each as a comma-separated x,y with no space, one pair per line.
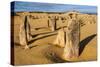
66,25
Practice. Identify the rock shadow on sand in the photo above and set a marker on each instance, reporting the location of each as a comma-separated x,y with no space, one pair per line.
84,42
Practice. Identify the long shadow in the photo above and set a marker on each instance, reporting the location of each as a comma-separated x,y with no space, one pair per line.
84,42
40,38
42,34
35,35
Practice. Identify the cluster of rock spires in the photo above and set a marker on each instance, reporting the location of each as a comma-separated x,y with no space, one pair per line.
65,25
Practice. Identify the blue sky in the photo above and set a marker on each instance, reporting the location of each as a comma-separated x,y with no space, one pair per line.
50,7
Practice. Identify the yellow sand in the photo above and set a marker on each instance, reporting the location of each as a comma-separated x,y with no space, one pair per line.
44,53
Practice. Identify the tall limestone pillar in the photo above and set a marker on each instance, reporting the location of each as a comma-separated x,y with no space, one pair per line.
71,49
52,23
23,33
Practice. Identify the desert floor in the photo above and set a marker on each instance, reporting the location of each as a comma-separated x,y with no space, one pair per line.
43,53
